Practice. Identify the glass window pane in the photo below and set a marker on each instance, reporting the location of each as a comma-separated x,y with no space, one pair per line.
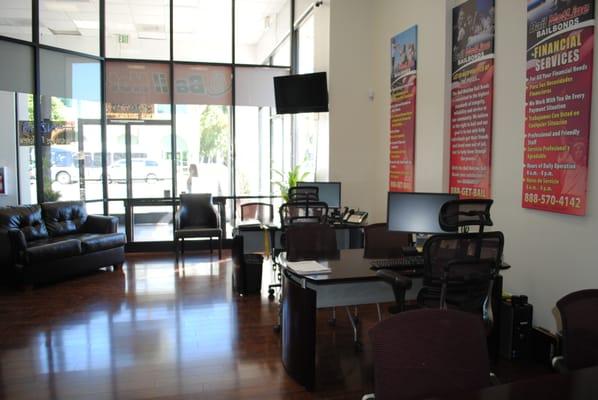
16,67
301,7
281,55
15,21
8,158
136,29
203,95
203,30
72,25
151,164
137,91
152,224
306,46
70,88
255,86
139,130
260,26
26,127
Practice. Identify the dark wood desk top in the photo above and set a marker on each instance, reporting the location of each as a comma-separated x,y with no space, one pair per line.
350,266
254,226
577,385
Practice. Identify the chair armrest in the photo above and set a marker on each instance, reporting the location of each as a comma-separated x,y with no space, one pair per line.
558,364
100,224
494,381
400,284
394,278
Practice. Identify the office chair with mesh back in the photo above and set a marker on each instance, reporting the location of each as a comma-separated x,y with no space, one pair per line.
263,212
465,213
579,316
307,211
429,353
298,212
303,193
459,272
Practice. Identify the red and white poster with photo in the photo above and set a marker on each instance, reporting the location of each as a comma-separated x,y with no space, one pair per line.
560,52
403,89
471,99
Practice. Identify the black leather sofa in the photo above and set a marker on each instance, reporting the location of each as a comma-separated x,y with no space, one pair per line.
45,243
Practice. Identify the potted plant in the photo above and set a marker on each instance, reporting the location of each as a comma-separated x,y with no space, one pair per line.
293,176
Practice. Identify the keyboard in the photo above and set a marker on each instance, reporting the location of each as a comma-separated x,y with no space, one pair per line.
400,263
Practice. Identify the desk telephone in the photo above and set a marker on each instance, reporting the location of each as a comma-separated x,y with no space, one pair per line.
351,216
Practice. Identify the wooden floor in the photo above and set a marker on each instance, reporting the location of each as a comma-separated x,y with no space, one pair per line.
157,331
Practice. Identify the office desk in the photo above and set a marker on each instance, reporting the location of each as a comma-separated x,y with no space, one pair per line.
577,385
348,236
351,282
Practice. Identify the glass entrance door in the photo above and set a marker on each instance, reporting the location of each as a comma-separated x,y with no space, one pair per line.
140,181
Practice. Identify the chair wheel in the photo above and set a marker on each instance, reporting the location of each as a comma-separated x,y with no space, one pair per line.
276,328
332,322
271,292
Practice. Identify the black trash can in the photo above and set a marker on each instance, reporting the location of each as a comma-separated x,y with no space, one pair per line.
252,273
247,274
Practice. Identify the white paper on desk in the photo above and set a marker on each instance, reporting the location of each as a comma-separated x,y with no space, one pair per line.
308,267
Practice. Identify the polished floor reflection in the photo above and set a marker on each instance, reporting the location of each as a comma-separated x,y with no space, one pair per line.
158,331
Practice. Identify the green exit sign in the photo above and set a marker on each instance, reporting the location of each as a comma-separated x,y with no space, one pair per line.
123,39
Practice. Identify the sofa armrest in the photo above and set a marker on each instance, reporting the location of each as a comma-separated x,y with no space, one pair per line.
100,224
16,243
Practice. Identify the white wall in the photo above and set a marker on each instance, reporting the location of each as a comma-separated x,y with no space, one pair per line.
8,158
352,134
551,254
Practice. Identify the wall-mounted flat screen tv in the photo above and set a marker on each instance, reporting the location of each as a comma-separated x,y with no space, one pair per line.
301,93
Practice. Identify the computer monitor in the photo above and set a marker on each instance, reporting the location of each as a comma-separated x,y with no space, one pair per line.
416,212
328,192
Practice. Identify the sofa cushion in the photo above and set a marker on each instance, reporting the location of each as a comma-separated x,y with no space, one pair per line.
64,217
28,219
97,242
48,250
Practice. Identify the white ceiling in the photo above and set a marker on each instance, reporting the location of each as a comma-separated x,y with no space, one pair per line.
143,18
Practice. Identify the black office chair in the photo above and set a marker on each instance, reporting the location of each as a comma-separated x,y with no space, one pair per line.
263,212
306,211
303,193
579,316
429,353
459,272
197,218
297,212
463,214
379,242
309,241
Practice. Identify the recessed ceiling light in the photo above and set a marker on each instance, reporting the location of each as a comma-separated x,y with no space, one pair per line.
64,32
85,24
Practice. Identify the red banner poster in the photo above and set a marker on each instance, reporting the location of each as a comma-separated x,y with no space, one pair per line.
560,52
402,110
471,99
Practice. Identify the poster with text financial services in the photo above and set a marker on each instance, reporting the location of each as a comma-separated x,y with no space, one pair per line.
403,89
560,52
472,91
